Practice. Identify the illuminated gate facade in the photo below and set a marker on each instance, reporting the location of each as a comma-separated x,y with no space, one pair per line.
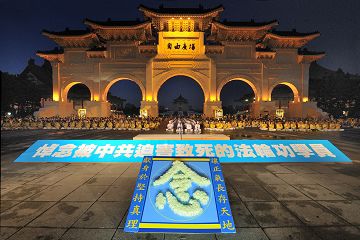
191,42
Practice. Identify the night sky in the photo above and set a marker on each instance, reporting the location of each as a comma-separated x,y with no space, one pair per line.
21,23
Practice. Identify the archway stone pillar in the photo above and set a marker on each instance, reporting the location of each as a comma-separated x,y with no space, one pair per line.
210,107
262,108
304,94
97,108
212,83
263,92
149,93
57,88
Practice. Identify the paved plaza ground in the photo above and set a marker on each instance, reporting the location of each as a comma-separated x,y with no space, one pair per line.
88,201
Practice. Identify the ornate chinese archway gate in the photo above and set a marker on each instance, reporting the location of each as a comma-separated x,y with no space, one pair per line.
190,42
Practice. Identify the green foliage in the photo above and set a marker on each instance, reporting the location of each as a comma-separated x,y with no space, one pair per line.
23,92
335,91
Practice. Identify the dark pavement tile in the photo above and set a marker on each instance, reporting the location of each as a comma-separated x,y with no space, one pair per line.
242,216
63,215
38,234
293,233
125,181
348,210
101,180
33,168
93,168
121,235
53,193
346,191
293,178
300,168
318,192
4,205
313,214
267,178
86,193
123,221
84,168
338,233
23,192
241,180
23,213
132,170
347,168
348,179
103,215
277,168
232,169
5,188
272,214
118,193
232,195
169,236
51,178
88,234
6,232
244,233
253,193
321,179
18,178
325,168
114,169
285,192
252,168
75,180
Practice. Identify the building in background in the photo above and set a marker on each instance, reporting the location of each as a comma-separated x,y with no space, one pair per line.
180,104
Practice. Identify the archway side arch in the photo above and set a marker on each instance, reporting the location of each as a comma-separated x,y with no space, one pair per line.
249,80
66,89
129,77
160,80
291,86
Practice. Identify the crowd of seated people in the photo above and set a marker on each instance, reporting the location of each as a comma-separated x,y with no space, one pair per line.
192,124
113,122
232,122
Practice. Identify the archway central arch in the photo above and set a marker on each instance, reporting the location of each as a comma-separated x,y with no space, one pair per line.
291,86
64,95
244,78
197,77
121,78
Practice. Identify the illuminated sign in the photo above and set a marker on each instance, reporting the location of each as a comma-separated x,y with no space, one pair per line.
225,150
182,43
181,195
82,113
218,113
143,113
279,113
